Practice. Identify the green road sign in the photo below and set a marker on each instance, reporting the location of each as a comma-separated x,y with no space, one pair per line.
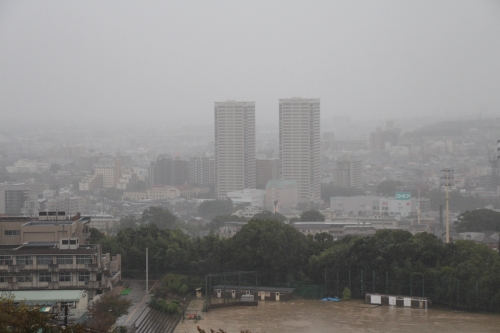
403,195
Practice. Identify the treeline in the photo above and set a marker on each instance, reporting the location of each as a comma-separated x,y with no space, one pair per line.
281,255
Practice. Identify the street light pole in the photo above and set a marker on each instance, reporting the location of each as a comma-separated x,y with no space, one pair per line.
147,272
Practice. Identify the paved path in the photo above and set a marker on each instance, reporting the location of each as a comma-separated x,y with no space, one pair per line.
139,300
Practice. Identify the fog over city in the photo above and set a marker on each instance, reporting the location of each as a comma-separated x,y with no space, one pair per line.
249,166
166,62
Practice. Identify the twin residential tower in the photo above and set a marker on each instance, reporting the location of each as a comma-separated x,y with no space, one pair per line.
299,146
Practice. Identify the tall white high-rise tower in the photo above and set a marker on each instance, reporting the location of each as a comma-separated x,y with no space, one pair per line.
300,145
234,146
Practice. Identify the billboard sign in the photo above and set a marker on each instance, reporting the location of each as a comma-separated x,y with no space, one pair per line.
403,195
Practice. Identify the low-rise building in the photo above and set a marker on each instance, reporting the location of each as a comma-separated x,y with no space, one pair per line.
54,301
285,193
251,197
162,193
336,229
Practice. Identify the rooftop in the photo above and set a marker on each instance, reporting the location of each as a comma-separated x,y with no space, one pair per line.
47,296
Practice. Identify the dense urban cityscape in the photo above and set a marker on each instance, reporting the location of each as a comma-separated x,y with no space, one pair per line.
249,167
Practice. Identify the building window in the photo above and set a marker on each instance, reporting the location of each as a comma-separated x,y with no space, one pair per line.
64,277
24,260
65,260
5,260
4,278
83,276
24,278
12,232
87,259
44,260
44,277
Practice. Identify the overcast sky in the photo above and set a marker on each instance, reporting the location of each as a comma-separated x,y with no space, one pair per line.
166,62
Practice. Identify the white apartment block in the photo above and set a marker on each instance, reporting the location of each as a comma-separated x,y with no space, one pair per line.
299,145
234,146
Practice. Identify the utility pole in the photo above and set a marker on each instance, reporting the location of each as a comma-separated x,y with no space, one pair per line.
147,272
418,206
446,181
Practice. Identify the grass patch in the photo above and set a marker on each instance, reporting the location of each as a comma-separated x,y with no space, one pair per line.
126,291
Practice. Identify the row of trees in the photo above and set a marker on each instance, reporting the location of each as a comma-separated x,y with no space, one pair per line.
281,255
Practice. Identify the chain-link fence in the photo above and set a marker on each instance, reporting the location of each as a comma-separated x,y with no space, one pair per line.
469,294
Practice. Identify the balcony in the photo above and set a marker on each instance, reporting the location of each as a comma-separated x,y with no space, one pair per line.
16,268
54,268
93,284
13,286
54,285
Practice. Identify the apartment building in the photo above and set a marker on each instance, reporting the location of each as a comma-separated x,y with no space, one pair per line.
90,183
58,265
234,146
13,198
202,170
299,145
110,170
349,173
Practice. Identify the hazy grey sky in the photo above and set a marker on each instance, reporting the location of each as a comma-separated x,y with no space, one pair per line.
168,61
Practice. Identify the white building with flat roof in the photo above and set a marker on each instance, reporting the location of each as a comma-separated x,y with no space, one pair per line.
252,197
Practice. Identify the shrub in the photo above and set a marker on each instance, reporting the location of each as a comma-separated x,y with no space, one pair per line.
346,294
172,308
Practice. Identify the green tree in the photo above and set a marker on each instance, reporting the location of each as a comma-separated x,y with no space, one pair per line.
215,207
389,187
159,216
129,221
95,236
276,250
478,220
267,215
312,216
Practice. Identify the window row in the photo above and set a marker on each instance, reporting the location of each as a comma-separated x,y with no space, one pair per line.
46,260
47,277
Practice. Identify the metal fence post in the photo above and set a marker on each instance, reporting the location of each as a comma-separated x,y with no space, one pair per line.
361,282
349,279
423,285
337,282
477,295
458,300
386,282
411,285
373,281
